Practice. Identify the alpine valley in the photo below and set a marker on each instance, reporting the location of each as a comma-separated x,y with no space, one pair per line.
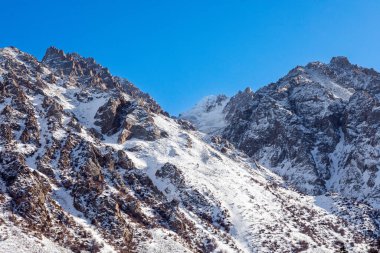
90,163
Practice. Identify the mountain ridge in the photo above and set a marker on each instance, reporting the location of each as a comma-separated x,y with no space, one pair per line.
302,103
89,163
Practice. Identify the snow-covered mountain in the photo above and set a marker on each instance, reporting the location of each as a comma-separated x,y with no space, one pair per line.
89,163
207,115
317,127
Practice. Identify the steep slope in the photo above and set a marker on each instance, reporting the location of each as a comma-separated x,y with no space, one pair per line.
207,115
89,163
318,127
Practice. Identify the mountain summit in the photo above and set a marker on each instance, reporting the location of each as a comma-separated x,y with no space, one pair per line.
317,127
90,163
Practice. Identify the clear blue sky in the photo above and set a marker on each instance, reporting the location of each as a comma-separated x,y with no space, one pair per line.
181,50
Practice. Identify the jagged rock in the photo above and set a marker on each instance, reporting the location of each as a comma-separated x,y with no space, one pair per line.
131,120
340,62
84,96
110,115
123,161
6,133
55,109
96,134
186,125
171,172
75,125
31,132
124,135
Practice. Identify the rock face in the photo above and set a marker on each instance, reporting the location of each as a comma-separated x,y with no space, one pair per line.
89,163
129,118
317,127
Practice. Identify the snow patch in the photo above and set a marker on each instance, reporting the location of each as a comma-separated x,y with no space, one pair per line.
336,90
207,115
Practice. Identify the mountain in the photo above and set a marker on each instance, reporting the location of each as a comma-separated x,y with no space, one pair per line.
317,127
90,163
207,114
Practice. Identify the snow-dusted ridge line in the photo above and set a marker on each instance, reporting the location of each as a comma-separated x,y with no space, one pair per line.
177,190
294,127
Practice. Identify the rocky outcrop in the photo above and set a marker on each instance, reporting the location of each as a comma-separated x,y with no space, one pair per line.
89,74
127,119
84,70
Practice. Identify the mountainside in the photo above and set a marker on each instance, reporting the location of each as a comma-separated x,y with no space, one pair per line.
318,127
207,114
89,163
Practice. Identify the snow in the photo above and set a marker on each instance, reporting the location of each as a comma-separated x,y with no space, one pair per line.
43,128
6,102
58,92
161,243
65,200
336,90
240,188
59,134
336,158
207,121
12,239
25,148
9,51
86,111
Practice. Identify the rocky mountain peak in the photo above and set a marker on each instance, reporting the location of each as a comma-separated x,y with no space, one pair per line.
88,74
76,66
12,53
340,62
53,52
207,113
248,90
298,125
11,50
